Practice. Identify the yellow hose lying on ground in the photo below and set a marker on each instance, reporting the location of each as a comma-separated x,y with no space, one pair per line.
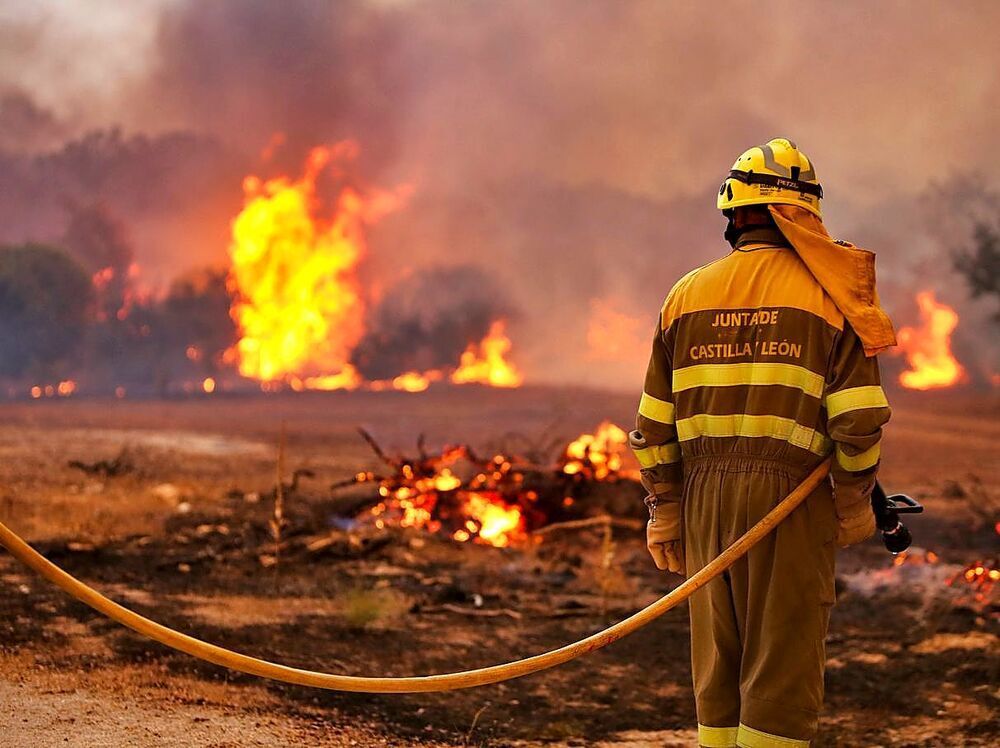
424,683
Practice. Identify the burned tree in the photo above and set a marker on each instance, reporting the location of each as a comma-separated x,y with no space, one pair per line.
980,264
44,295
100,242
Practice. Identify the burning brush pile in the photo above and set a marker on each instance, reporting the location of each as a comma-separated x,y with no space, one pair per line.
498,499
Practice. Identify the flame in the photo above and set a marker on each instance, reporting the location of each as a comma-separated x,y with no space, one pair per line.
208,385
982,577
65,388
596,455
928,347
347,379
426,494
446,481
297,301
486,363
491,519
414,381
914,557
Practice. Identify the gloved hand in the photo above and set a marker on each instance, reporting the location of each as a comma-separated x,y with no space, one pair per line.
855,524
663,536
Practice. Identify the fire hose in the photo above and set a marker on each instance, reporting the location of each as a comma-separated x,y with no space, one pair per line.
23,552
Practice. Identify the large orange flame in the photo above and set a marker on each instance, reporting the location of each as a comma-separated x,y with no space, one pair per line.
487,363
297,302
928,347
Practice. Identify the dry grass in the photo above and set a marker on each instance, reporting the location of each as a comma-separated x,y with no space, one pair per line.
372,608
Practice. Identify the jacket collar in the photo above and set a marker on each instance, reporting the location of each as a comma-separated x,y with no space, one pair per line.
770,235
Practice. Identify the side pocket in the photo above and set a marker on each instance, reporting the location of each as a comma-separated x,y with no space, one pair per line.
822,518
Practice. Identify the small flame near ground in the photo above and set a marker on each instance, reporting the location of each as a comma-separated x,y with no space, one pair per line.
927,347
915,557
596,455
981,579
486,362
65,388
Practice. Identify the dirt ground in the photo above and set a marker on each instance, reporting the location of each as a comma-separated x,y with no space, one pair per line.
912,661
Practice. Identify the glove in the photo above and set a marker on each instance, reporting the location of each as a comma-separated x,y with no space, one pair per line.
857,523
663,535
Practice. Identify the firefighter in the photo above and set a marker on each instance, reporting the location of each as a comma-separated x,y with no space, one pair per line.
763,364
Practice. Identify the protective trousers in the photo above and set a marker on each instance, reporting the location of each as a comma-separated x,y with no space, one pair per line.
758,631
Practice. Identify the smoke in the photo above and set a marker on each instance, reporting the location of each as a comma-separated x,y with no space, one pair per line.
99,241
25,126
569,151
173,193
97,238
427,320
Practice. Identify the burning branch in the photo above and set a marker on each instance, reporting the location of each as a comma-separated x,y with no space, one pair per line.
377,449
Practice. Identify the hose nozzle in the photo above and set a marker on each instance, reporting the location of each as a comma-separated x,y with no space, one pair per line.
895,536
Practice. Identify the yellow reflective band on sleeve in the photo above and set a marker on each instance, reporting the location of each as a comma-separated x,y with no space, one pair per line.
820,444
861,461
855,398
727,375
663,454
655,409
748,737
717,737
741,424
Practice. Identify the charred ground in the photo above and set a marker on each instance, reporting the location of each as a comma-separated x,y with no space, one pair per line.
179,534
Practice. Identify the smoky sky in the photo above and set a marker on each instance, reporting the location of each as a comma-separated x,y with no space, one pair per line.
568,150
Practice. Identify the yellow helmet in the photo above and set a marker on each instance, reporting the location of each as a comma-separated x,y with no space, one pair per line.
776,172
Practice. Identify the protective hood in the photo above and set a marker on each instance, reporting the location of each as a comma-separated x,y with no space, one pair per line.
846,273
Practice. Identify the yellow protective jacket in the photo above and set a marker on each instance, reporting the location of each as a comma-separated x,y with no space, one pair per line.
752,358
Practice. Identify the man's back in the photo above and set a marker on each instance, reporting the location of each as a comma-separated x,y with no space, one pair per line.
754,378
755,375
752,358
750,339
